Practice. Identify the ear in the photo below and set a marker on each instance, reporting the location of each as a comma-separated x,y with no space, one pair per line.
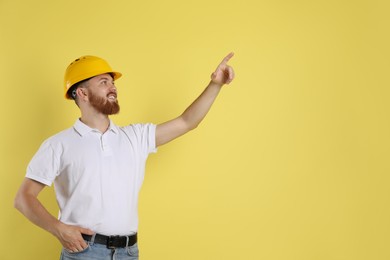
81,93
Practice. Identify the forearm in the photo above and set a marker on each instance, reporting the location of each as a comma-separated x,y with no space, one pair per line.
32,208
196,112
27,203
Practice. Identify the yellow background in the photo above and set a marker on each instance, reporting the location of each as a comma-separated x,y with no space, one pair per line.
293,160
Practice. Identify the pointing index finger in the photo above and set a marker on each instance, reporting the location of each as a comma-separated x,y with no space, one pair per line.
228,57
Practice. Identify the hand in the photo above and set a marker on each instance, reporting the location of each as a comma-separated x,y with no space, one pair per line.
224,74
70,237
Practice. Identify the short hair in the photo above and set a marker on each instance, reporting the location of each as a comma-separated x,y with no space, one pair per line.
72,90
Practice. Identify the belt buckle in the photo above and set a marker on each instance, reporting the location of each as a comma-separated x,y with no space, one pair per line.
112,242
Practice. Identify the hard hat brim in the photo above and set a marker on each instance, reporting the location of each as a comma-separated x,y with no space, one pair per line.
115,74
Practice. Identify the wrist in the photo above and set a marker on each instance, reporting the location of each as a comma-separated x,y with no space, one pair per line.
215,84
56,228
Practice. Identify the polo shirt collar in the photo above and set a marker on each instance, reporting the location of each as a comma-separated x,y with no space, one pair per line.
83,129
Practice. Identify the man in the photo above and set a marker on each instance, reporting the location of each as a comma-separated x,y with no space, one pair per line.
97,167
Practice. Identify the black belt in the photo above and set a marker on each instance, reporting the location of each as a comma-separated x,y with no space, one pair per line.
113,241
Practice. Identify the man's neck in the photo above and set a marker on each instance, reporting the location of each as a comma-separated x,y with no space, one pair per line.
100,122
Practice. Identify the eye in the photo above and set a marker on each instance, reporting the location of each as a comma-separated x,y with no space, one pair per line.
106,82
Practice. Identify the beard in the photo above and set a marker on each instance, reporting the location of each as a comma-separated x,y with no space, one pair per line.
103,105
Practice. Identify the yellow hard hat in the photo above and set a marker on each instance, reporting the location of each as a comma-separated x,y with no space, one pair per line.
86,67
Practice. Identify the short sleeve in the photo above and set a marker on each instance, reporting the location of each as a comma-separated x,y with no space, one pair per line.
44,166
144,135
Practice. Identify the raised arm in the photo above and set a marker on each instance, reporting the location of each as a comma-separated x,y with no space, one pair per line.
195,113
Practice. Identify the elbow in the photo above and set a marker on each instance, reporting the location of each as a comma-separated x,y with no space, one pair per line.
192,127
18,202
189,124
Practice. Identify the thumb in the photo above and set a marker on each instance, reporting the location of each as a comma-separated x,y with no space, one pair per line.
86,231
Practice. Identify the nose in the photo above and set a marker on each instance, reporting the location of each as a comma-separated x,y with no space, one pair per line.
113,87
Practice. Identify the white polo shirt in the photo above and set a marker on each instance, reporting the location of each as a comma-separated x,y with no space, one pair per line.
96,176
